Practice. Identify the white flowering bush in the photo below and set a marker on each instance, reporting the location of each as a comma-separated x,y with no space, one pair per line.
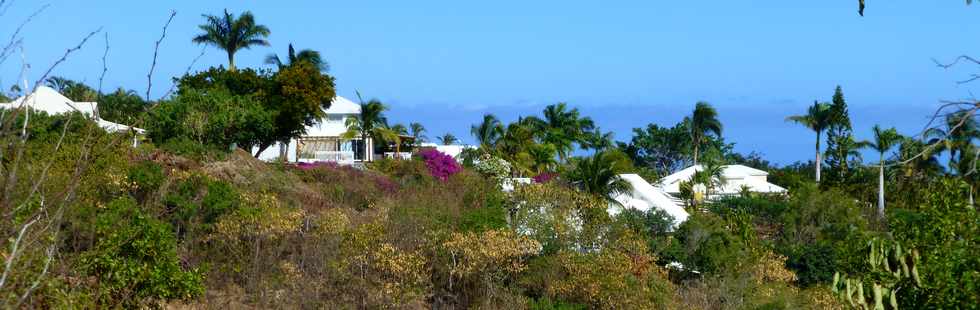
492,166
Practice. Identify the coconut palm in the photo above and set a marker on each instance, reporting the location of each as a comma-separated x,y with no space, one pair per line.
704,122
448,139
232,34
884,140
370,123
563,128
488,132
598,175
307,55
597,140
417,133
817,118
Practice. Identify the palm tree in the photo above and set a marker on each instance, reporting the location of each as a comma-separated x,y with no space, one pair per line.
307,55
448,139
418,133
232,34
961,129
598,175
563,128
597,140
488,132
370,123
817,119
704,121
884,140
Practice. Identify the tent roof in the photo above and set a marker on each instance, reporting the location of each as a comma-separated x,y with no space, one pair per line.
644,197
50,101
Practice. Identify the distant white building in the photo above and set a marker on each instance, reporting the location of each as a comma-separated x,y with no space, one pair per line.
734,179
48,100
645,197
453,150
323,141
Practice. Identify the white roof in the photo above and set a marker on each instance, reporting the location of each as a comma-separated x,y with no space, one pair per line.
735,177
50,101
341,105
451,150
644,197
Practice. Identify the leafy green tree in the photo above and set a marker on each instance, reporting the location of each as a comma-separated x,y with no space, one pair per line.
232,34
216,118
841,145
599,174
704,122
818,118
659,148
306,55
300,95
884,140
122,106
488,132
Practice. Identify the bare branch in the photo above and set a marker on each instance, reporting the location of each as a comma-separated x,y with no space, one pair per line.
65,57
955,61
104,67
156,50
188,71
14,41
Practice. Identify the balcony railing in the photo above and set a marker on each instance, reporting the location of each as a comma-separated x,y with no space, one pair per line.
396,155
328,156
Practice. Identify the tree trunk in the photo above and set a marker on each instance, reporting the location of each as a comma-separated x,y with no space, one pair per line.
881,187
231,61
817,164
262,147
695,153
284,151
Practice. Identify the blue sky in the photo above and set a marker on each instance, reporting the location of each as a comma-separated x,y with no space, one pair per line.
624,63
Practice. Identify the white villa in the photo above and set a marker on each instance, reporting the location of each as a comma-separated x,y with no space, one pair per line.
734,179
51,102
323,142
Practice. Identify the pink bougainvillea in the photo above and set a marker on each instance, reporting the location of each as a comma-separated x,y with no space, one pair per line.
440,165
544,177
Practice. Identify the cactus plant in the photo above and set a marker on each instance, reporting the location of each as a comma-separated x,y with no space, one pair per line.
892,263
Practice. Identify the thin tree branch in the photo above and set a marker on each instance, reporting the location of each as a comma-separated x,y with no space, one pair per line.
14,41
156,50
104,67
186,72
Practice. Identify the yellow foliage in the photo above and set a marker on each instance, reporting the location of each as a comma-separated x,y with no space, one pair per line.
489,251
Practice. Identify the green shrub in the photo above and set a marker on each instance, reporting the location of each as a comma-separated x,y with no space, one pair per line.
146,178
705,244
135,259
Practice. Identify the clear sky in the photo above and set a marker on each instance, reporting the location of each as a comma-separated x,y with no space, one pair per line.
624,63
